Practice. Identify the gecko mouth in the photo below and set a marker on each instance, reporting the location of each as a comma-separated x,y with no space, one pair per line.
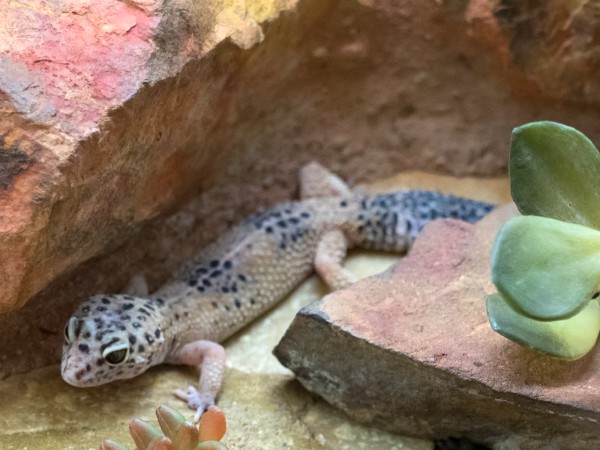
76,374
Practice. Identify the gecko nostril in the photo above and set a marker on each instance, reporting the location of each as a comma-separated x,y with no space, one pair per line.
79,374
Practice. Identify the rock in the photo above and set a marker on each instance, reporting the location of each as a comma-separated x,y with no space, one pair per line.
420,358
116,114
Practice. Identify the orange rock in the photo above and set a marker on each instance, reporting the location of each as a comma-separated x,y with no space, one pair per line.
420,357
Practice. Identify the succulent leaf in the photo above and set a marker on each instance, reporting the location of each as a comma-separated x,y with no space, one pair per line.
186,437
161,443
212,425
545,268
568,339
553,171
169,420
143,433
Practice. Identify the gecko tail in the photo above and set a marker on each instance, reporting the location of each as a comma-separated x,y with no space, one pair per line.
391,222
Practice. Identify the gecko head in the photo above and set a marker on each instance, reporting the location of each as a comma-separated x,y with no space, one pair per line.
111,338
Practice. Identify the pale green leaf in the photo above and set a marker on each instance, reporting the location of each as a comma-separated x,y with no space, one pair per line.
554,172
545,268
568,338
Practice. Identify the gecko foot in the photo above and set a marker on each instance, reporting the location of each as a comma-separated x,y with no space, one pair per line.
197,401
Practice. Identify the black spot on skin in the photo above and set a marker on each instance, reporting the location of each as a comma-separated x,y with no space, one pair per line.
343,203
137,325
149,338
127,306
157,333
128,297
214,263
252,301
304,215
269,229
98,336
215,304
225,289
186,314
200,288
125,318
176,316
202,270
86,309
216,273
99,362
192,282
227,265
150,307
141,349
105,301
227,308
238,304
206,283
83,348
282,246
294,221
87,335
234,287
160,301
143,311
88,367
282,224
132,339
242,277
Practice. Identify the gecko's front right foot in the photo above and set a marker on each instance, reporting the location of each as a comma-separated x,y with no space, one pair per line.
196,400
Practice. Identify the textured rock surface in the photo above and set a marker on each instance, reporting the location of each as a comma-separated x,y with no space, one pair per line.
420,357
130,110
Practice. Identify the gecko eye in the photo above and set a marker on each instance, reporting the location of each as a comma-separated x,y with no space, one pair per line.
70,330
115,354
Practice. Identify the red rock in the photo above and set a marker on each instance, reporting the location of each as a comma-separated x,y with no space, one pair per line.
114,114
420,358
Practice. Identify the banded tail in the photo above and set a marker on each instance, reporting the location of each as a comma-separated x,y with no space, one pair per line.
391,222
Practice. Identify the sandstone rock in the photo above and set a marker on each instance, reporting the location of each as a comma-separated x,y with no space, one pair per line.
420,358
115,114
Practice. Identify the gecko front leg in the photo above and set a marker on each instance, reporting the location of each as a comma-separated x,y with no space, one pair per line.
211,357
329,258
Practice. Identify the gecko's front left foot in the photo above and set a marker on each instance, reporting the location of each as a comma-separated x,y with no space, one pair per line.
196,400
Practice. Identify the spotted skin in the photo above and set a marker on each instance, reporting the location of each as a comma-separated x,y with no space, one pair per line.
237,279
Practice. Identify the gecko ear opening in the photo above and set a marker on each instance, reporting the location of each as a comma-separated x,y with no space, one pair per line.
115,354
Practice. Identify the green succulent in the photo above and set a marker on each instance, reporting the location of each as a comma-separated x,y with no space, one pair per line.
546,263
177,433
